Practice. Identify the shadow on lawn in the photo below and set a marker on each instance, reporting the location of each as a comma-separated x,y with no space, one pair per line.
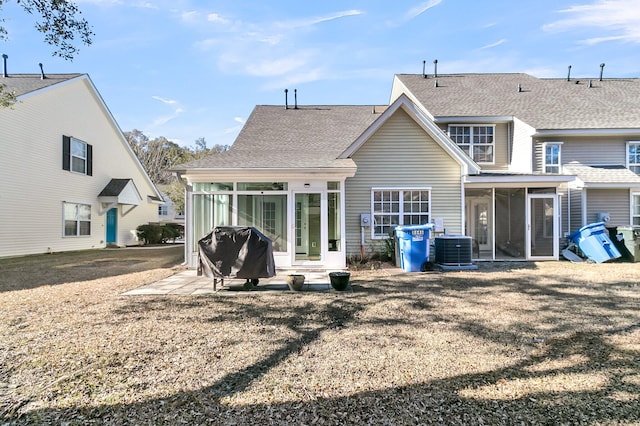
33,271
460,399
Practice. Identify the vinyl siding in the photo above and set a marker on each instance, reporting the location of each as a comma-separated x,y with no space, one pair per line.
521,156
612,201
575,216
34,185
590,151
400,154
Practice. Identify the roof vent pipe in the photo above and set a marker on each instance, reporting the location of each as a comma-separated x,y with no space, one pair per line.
590,85
286,98
42,76
435,84
519,88
601,70
569,74
424,71
4,65
435,68
295,98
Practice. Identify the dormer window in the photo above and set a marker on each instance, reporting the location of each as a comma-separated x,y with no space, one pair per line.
477,141
551,157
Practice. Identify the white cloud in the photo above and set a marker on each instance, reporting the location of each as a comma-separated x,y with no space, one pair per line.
237,127
497,43
177,110
216,18
307,22
621,17
421,8
164,100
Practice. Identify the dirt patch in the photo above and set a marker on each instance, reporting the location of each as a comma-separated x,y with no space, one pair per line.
522,343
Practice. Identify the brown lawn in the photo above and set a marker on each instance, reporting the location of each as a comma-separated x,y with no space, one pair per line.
522,343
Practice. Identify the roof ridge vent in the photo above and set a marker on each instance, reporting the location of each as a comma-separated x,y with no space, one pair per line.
4,65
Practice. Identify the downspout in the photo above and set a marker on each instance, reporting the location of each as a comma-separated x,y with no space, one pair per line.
188,226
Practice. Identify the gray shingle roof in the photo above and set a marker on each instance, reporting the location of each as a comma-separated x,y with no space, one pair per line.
614,174
307,137
26,83
114,188
543,103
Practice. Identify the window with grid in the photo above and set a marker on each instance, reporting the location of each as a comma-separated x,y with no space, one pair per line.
636,209
477,141
393,207
633,157
552,158
77,219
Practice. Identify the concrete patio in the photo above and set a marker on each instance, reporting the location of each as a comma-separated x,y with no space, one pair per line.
189,283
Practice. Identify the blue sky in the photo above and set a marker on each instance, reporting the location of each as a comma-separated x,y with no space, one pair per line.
185,69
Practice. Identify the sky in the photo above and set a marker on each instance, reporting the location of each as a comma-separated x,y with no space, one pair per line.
187,69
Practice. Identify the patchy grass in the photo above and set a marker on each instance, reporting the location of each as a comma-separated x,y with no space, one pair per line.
525,343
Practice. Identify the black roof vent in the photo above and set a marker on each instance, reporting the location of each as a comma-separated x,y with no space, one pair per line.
4,65
424,71
286,98
435,68
601,70
295,98
42,76
569,74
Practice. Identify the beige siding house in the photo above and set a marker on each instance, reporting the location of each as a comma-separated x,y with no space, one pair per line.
69,179
513,161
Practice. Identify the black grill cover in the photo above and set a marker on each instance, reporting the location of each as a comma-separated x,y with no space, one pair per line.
236,251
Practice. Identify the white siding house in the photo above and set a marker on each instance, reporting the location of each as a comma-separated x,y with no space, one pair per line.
68,179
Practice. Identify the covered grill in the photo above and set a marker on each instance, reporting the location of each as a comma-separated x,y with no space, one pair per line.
236,252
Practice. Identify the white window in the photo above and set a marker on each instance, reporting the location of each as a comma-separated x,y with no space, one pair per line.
77,156
477,141
551,157
163,210
633,156
635,208
77,219
393,207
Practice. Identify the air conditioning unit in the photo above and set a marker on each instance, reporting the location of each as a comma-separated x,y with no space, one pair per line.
453,250
604,217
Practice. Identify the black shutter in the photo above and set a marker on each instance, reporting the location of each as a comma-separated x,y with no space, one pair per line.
66,153
89,160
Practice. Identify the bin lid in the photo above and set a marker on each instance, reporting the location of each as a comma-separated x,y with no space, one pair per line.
405,228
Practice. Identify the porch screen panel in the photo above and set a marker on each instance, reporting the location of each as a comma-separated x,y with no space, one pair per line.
510,233
268,214
542,226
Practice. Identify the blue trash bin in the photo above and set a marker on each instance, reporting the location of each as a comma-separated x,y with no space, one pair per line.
593,240
413,244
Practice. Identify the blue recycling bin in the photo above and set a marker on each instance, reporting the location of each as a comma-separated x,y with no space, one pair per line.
413,246
593,240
